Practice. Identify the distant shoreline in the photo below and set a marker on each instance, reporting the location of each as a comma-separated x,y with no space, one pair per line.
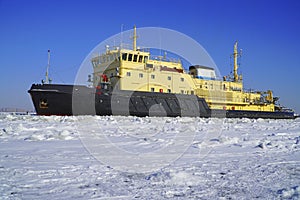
17,110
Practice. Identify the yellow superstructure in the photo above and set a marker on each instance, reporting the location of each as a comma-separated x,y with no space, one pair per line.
135,70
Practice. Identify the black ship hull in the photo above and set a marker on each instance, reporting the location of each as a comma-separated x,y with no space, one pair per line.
54,99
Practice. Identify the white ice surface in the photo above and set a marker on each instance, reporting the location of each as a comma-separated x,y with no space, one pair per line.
114,157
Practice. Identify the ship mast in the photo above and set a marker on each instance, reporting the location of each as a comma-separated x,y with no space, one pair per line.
235,67
134,38
47,79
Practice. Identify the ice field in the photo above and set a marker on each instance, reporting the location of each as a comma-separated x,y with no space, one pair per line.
115,157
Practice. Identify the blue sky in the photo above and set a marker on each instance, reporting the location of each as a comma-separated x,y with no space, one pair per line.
267,31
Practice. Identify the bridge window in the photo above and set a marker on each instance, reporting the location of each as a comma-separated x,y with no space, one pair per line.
135,58
140,58
124,56
152,76
128,74
182,79
145,59
169,90
141,75
169,78
152,89
130,57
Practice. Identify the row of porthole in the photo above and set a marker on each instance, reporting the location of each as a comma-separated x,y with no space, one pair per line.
141,75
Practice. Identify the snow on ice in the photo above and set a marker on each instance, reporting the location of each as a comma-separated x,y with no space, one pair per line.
115,157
